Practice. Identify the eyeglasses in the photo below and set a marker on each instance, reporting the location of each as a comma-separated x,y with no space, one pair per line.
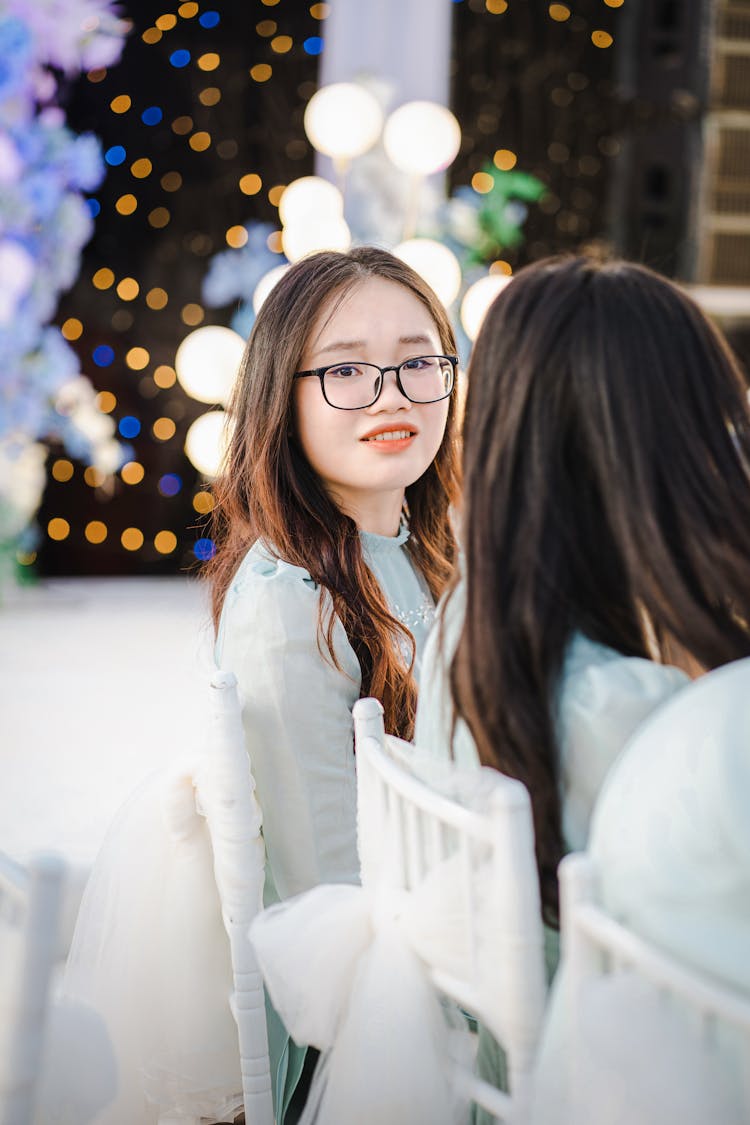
355,385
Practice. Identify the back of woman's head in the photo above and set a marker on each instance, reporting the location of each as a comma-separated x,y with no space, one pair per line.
606,456
268,490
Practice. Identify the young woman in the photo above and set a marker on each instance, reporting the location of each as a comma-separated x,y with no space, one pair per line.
334,540
606,532
606,536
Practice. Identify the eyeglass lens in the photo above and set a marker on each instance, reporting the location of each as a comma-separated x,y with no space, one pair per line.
352,386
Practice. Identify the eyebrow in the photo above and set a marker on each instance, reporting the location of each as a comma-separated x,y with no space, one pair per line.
346,345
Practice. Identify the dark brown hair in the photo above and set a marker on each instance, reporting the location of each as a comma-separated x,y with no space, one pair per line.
606,467
267,489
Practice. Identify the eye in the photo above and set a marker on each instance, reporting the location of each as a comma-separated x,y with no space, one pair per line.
344,371
420,363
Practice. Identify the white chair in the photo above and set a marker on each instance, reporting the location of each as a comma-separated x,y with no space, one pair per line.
225,792
641,1038
481,821
30,904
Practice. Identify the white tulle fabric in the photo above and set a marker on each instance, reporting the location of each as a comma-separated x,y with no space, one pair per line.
143,1026
342,967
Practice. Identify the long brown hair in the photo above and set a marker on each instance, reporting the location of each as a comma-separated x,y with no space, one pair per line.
606,467
267,489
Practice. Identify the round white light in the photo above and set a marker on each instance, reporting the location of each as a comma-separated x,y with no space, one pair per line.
206,442
343,120
422,138
266,284
477,299
310,195
315,232
435,263
207,362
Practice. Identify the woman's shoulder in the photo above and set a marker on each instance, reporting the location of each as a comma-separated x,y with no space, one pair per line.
262,570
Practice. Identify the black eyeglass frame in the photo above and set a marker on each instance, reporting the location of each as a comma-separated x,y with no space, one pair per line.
319,372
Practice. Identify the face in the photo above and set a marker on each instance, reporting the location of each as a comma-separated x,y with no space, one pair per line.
366,458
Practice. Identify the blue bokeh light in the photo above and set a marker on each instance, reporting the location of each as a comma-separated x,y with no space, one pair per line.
170,484
152,115
129,426
209,19
313,45
94,207
204,549
115,155
103,355
180,58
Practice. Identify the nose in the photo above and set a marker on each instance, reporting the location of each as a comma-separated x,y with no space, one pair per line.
391,397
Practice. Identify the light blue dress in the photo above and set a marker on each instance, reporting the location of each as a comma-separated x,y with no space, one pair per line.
297,713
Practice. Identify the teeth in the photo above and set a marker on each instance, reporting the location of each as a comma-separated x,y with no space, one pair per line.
391,435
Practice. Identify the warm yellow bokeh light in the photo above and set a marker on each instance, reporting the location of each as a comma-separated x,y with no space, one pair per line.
203,502
209,61
97,74
132,539
159,217
210,96
504,159
128,289
236,237
165,376
120,104
182,125
132,472
141,168
482,182
171,181
25,558
501,267
137,359
103,278
261,72
496,7
58,529
614,3
151,35
126,204
320,11
199,142
266,28
93,477
250,184
62,470
166,22
163,429
192,314
275,194
188,10
165,542
106,402
157,298
281,44
96,531
601,39
274,242
559,12
72,328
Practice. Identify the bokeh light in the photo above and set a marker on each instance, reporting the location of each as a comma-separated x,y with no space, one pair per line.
422,137
132,539
477,299
58,529
266,284
435,262
343,120
205,442
132,472
207,362
95,531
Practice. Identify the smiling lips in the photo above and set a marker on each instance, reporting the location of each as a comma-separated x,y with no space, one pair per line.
390,439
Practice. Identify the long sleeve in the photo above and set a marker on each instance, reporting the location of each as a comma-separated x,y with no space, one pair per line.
298,722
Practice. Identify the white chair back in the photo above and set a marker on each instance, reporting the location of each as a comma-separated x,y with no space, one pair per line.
472,833
691,1034
30,903
225,793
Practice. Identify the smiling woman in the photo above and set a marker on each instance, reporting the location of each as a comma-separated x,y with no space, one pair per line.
334,541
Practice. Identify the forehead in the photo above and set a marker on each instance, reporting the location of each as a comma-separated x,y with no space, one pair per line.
372,311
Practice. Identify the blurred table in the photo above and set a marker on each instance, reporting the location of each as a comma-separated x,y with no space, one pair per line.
101,681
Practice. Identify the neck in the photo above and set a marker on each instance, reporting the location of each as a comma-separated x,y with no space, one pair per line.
379,514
